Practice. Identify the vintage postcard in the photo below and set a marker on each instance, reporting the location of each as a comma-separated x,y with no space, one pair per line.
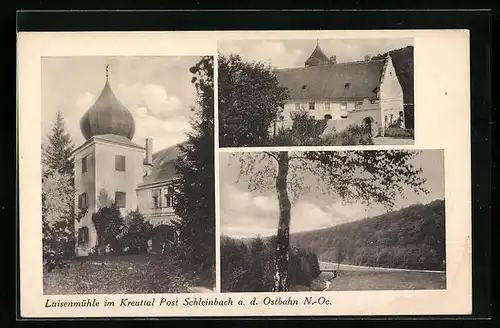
256,173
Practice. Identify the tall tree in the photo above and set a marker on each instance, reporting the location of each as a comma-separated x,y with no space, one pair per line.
355,176
57,219
57,195
250,99
57,154
195,203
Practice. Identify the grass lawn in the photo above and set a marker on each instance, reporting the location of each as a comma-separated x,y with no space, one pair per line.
131,274
375,280
372,280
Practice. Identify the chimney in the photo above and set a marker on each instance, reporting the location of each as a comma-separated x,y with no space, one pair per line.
149,151
333,59
367,57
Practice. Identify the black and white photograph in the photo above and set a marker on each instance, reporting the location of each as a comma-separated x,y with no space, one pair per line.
128,185
316,92
332,220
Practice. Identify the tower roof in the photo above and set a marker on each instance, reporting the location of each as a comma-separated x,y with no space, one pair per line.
317,57
107,116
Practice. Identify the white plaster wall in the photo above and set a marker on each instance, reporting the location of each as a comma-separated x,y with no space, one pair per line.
85,183
159,216
110,181
391,93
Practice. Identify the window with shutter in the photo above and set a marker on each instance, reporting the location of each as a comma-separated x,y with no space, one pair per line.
84,164
120,163
83,201
120,199
83,235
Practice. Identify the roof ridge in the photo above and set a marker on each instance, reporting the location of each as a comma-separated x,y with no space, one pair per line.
330,65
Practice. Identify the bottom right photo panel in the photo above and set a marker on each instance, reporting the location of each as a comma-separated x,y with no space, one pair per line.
332,220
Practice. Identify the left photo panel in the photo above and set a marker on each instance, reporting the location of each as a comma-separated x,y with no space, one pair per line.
128,182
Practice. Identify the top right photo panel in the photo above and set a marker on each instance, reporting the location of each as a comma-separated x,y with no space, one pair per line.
315,92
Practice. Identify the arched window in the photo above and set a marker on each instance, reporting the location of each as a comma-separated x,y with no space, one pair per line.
328,117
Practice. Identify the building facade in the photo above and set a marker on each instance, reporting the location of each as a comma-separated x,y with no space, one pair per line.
365,92
110,167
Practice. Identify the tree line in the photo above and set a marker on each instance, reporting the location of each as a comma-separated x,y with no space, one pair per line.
410,238
249,266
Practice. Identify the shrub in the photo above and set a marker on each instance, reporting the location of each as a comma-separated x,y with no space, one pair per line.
305,131
353,135
135,233
108,223
397,132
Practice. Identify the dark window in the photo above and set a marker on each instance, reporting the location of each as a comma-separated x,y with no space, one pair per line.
346,86
401,114
312,105
392,118
385,121
83,201
83,235
119,163
328,117
120,199
84,164
170,197
156,198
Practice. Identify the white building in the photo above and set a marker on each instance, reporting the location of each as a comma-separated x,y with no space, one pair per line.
365,92
110,167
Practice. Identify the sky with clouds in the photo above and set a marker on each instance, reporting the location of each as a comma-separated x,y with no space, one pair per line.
157,90
248,214
293,53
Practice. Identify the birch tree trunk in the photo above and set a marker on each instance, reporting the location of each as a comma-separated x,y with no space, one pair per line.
283,235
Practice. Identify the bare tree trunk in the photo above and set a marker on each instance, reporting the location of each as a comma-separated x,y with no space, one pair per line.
283,236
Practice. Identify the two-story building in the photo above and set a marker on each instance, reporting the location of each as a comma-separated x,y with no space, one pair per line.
365,92
110,167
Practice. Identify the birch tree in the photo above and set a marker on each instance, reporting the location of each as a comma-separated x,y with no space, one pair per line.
367,177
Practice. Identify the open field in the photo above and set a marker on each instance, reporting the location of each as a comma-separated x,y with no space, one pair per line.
129,274
378,280
392,141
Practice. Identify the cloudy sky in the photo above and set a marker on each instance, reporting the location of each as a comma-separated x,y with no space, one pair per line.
157,90
293,53
247,214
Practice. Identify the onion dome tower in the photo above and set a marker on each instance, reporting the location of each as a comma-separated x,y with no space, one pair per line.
317,57
107,116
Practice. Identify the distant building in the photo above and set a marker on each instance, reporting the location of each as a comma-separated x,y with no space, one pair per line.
110,167
365,92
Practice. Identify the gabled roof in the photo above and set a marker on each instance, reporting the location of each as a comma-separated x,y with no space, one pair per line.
163,165
343,81
317,57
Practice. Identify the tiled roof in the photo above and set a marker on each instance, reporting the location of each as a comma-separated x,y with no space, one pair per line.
343,81
163,165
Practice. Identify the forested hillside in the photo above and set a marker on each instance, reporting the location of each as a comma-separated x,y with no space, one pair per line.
411,238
